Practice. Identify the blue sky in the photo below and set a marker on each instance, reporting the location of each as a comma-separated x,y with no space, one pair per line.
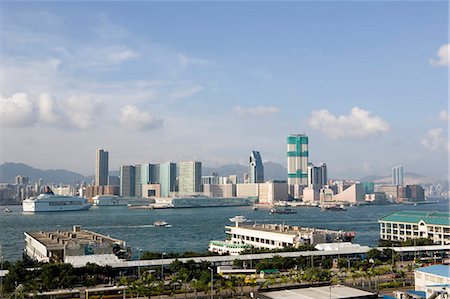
154,81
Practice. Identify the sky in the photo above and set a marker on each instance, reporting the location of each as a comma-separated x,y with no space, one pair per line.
212,81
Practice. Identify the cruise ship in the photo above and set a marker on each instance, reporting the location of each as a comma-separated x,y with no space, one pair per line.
50,202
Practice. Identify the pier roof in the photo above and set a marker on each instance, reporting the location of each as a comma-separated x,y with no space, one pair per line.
429,217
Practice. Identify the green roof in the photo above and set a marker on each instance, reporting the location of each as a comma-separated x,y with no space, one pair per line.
429,217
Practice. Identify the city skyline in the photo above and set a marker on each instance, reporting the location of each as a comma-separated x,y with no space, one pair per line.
217,90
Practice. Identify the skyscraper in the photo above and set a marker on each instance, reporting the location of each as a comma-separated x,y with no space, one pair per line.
167,178
127,181
297,163
397,175
323,174
149,173
190,178
137,181
255,168
101,168
317,175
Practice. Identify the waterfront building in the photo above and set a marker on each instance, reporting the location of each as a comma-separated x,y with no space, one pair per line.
411,193
369,187
91,191
151,190
101,167
319,292
272,236
352,194
149,173
190,175
247,190
390,191
397,175
227,247
297,163
375,197
433,281
219,190
77,247
137,181
271,192
311,194
127,181
167,178
255,168
405,225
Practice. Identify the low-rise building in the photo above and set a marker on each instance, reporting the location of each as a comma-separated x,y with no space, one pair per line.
404,225
77,247
433,280
219,190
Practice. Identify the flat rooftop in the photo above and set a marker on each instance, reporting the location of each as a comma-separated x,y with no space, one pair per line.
58,239
285,229
429,217
325,292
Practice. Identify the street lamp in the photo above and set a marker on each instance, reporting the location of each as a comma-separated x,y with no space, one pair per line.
212,281
162,266
139,262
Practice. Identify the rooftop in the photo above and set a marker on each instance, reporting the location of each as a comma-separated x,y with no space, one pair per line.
438,270
285,229
58,239
324,292
429,217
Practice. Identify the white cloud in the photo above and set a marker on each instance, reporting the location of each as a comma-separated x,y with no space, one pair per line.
17,111
359,124
185,60
48,112
443,116
121,56
185,93
443,55
82,111
434,140
256,111
133,119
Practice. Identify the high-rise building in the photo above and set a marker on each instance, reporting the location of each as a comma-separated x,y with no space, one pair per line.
167,178
317,175
397,175
150,173
323,174
297,163
255,168
127,181
190,178
101,168
137,181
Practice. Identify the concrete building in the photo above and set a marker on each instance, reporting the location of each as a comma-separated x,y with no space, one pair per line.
101,167
255,168
167,178
397,175
151,190
190,178
352,194
411,193
247,191
127,181
272,236
137,181
92,191
297,164
318,292
433,281
390,191
311,194
77,247
219,190
271,192
404,225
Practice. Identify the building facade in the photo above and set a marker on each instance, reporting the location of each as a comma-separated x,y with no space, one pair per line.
101,167
405,225
127,181
297,163
167,178
433,280
397,175
190,178
255,168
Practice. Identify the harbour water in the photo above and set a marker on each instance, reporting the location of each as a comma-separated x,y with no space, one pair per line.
191,229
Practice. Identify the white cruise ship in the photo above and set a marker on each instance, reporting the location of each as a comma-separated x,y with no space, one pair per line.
50,202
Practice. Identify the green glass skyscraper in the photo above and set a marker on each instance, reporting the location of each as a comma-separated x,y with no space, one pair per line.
297,163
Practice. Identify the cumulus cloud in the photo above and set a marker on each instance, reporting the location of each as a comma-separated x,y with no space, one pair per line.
443,56
17,111
48,112
359,124
133,119
256,111
443,116
82,110
185,93
434,140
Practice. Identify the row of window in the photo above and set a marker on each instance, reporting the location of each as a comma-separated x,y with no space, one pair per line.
261,240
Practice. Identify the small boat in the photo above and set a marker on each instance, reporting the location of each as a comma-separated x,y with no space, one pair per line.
282,211
7,210
238,218
161,223
333,208
255,208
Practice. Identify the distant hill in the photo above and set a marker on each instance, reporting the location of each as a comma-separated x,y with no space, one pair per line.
9,171
409,178
272,171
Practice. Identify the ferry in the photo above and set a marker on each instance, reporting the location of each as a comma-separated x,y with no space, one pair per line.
50,202
333,208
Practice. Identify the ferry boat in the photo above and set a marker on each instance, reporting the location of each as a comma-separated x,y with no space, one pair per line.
282,211
50,202
333,208
161,223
